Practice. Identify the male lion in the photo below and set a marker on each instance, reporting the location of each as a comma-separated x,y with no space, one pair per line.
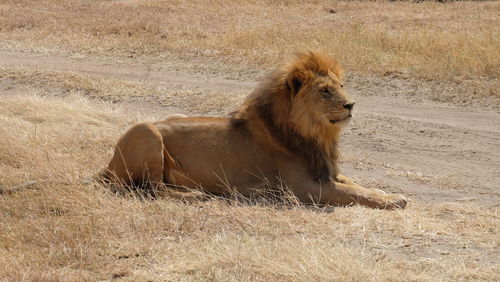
286,132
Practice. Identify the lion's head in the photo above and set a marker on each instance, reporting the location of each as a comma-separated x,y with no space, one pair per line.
300,108
315,88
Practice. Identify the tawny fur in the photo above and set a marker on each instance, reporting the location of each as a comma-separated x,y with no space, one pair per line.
271,105
286,131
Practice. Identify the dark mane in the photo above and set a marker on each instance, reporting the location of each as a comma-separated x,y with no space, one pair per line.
317,162
270,105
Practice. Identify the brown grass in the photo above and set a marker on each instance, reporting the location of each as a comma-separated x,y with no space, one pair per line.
454,41
116,90
60,229
59,132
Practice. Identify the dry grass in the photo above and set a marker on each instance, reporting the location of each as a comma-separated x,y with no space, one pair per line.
63,230
60,131
190,100
454,41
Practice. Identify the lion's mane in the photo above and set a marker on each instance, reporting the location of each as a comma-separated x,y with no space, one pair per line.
266,114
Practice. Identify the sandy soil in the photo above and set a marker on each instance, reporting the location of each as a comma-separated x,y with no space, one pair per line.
430,151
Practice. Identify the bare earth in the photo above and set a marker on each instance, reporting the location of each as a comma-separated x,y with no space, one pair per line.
437,154
395,143
74,75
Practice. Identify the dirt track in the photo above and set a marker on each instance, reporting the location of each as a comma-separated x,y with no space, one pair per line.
429,151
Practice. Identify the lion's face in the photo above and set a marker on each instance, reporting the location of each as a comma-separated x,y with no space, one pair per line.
330,96
324,100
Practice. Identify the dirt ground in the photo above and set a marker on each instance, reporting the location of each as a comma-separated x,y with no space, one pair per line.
427,150
445,157
74,75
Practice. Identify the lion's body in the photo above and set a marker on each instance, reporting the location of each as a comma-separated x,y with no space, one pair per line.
286,132
229,154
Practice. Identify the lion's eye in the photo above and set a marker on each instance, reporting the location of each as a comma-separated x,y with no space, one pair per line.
325,91
341,85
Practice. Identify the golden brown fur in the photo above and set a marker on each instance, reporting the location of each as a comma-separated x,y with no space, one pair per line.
300,132
287,130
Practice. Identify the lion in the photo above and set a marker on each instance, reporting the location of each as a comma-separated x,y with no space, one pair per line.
286,132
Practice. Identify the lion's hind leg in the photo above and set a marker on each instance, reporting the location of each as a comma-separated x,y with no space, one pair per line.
138,156
140,159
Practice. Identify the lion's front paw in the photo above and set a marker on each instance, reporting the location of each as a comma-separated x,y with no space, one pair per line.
378,191
395,201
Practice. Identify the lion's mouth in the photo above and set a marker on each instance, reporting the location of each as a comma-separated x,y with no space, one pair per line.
339,120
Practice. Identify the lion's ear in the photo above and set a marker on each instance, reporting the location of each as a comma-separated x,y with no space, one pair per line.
294,82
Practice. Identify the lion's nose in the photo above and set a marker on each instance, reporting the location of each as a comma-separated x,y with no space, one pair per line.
349,105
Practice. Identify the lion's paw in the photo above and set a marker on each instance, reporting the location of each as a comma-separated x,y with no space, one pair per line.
396,201
378,191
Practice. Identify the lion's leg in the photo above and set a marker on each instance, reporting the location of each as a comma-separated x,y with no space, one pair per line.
141,157
138,156
164,191
346,180
336,193
343,179
369,197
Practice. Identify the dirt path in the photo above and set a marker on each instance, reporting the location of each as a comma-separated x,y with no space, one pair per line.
8,58
433,152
